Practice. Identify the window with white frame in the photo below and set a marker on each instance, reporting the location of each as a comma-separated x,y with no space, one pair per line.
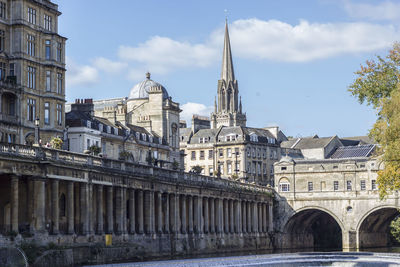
47,113
31,109
229,152
144,136
48,81
30,45
229,166
335,185
59,51
310,186
47,22
373,184
362,185
348,185
2,40
3,10
31,81
284,185
210,154
59,114
220,152
59,83
47,49
31,15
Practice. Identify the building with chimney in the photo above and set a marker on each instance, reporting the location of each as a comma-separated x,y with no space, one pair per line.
224,146
32,71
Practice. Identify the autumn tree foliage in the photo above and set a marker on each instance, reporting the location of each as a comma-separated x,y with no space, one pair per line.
378,84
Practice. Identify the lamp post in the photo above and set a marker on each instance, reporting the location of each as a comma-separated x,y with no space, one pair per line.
37,132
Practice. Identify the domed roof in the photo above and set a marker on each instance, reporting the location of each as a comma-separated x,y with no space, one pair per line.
141,90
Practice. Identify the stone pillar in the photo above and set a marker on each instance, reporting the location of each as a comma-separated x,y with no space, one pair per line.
70,207
124,211
219,215
265,220
197,201
231,217
39,205
260,218
212,215
237,215
30,204
349,241
183,215
244,217
131,211
173,213
190,214
118,210
226,216
159,213
147,212
84,207
14,203
270,218
165,200
249,216
54,206
255,217
206,217
110,221
100,223
140,214
92,207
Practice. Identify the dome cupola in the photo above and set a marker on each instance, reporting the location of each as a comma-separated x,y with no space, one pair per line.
142,89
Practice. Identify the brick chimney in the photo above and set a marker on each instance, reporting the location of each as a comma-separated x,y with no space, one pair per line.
85,106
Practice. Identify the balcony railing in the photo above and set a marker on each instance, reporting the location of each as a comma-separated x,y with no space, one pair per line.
47,154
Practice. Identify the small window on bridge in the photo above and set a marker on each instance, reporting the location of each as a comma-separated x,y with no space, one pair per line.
363,185
335,185
373,185
362,166
335,166
348,186
283,168
284,187
310,186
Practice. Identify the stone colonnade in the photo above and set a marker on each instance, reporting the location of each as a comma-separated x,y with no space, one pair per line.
98,208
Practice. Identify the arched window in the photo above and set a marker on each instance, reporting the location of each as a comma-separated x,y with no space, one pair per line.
284,185
62,205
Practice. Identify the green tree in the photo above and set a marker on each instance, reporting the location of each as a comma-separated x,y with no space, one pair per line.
378,84
197,169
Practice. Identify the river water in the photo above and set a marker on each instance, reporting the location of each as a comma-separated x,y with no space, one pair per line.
356,259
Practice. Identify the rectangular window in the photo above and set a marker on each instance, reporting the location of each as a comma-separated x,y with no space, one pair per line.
284,187
59,114
229,168
221,168
48,49
264,168
31,109
348,185
283,168
3,72
32,15
3,10
31,81
373,184
201,154
229,152
47,113
47,22
48,81
59,83
211,170
210,154
2,39
87,144
259,168
310,186
237,169
193,155
59,51
221,152
12,66
30,45
362,184
248,152
335,185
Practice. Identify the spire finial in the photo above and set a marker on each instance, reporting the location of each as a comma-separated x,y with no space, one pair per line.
227,72
148,75
226,15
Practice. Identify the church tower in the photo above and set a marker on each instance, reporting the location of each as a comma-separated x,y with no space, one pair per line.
228,108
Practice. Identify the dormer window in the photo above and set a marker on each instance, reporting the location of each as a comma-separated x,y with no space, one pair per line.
144,137
150,139
100,127
89,124
108,129
253,137
137,136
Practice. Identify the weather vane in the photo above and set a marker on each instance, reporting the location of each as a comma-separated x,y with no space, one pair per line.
226,14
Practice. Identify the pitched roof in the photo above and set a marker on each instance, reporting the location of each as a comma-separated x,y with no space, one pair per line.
307,143
353,151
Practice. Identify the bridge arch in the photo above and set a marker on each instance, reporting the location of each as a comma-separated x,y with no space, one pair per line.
373,227
314,228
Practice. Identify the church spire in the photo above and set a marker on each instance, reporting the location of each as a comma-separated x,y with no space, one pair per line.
227,73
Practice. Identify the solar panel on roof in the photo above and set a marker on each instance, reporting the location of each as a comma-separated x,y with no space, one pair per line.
353,151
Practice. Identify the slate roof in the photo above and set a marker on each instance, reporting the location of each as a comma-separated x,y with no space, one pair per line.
362,140
353,151
204,133
307,143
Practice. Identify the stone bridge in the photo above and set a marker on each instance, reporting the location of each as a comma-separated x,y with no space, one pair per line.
67,198
325,204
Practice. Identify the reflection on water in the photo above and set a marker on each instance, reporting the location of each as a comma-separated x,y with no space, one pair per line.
386,249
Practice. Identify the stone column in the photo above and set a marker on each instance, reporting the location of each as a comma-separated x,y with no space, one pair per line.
212,215
231,217
255,217
30,204
173,213
270,218
131,211
166,213
226,216
260,218
118,210
237,216
100,223
183,215
149,212
159,213
140,216
84,207
265,220
219,215
190,214
124,211
249,216
14,203
91,207
70,207
244,217
54,206
39,205
197,214
110,221
206,217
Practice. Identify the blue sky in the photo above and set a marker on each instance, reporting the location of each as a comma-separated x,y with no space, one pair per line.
293,59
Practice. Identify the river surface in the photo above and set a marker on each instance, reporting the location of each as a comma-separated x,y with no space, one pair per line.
356,259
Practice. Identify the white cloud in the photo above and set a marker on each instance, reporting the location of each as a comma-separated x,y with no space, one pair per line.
191,108
386,10
109,66
280,41
81,74
162,54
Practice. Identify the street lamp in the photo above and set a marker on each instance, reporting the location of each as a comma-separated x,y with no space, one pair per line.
37,133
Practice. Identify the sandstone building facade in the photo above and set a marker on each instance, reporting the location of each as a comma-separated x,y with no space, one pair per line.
32,71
